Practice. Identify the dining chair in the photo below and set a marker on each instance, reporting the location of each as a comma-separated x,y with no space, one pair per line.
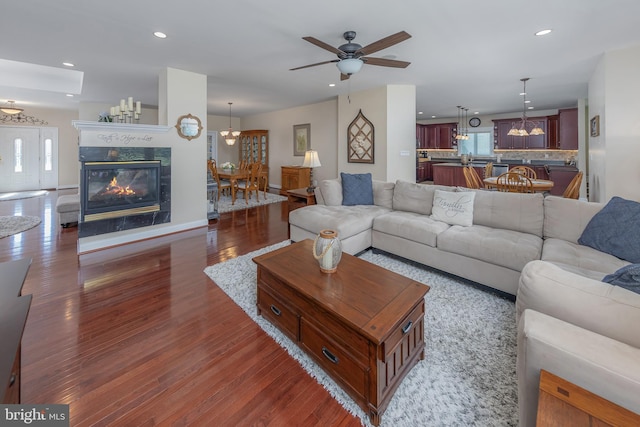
524,170
514,182
573,189
223,184
488,170
243,165
472,178
252,182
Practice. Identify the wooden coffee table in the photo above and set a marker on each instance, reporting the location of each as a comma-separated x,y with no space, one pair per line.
363,325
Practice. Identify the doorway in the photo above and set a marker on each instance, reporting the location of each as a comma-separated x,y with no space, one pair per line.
28,158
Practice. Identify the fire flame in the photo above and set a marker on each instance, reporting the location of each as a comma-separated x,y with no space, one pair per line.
114,188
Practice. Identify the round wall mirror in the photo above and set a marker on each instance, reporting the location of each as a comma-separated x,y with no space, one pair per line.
189,127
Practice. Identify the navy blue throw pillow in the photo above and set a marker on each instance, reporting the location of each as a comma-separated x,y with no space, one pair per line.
357,189
627,277
615,230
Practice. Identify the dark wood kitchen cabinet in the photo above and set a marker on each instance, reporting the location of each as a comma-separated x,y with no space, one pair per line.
503,141
568,129
436,136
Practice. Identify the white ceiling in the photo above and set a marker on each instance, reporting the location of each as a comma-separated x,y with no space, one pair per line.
463,52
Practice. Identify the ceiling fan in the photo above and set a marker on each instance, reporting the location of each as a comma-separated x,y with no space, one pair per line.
351,56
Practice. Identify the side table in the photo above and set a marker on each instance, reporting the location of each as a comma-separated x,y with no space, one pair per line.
299,197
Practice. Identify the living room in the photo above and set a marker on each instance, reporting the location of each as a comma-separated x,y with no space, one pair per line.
138,334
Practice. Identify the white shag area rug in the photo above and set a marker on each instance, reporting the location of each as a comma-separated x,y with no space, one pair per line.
16,224
468,376
224,204
22,194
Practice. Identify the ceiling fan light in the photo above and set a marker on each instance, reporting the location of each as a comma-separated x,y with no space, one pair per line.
349,66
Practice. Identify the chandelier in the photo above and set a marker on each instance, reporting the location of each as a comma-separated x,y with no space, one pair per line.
13,114
230,135
520,128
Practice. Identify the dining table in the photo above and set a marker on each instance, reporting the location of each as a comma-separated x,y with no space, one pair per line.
235,175
539,185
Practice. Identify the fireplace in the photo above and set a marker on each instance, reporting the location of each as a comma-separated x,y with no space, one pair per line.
121,188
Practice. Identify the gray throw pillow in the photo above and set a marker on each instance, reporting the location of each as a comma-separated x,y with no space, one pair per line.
357,189
627,277
615,230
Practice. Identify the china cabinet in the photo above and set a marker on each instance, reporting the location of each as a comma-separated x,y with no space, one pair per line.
254,147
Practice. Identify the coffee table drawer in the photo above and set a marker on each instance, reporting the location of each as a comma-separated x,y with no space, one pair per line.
409,333
278,314
333,358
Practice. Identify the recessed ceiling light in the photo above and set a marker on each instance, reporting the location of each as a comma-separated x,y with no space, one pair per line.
543,32
68,64
160,35
523,93
433,117
529,108
70,95
332,84
476,112
420,112
527,102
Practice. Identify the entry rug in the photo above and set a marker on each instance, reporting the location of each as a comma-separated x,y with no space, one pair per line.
224,204
468,376
16,224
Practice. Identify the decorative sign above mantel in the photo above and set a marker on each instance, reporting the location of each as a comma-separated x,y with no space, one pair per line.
360,140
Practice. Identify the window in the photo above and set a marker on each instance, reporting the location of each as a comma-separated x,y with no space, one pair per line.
478,144
17,155
48,154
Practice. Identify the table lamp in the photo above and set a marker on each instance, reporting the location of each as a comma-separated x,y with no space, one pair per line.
311,160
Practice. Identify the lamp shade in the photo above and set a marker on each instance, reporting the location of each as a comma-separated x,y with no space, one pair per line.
311,159
349,65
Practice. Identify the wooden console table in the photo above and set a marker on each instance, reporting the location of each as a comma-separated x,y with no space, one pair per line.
364,325
563,404
13,317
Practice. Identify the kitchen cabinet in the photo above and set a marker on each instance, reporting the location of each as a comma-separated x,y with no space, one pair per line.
552,131
424,171
503,141
436,136
452,174
568,129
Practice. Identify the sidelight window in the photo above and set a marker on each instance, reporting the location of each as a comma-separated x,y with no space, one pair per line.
17,155
48,154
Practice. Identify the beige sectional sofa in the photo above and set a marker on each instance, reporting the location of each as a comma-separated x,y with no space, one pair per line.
570,322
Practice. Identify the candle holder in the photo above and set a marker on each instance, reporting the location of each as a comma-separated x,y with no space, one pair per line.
125,111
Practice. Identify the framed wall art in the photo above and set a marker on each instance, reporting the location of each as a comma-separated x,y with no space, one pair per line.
189,127
595,126
301,139
360,140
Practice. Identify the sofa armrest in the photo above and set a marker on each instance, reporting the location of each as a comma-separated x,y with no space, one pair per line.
590,304
594,362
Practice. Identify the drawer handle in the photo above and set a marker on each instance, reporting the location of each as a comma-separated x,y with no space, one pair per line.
275,310
407,327
12,380
329,355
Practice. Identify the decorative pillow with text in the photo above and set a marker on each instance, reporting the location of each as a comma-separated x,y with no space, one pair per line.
453,208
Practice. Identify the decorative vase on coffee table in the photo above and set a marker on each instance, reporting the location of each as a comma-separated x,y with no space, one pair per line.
327,249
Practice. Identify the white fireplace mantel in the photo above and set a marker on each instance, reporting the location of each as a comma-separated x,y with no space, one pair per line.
119,127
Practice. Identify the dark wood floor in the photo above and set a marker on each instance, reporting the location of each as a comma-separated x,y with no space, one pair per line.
138,335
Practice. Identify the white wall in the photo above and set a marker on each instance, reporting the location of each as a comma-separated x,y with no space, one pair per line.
614,95
323,120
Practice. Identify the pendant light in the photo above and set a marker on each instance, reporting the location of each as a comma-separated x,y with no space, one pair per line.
520,128
230,135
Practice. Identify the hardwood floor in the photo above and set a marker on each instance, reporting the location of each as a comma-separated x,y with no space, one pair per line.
138,335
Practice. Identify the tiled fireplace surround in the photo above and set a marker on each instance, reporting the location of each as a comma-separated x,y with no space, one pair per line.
127,222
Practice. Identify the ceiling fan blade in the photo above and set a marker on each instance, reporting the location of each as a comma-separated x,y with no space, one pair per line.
384,43
313,65
344,76
323,45
385,62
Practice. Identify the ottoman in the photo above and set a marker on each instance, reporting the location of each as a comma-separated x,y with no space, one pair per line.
68,208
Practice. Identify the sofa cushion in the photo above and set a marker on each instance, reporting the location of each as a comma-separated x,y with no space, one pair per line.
383,193
411,226
331,190
580,259
346,220
558,209
455,208
509,211
615,230
506,248
627,277
412,197
357,189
